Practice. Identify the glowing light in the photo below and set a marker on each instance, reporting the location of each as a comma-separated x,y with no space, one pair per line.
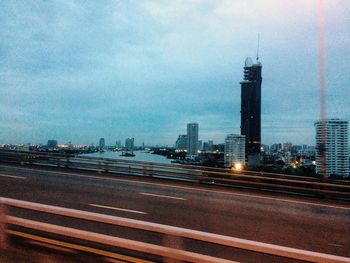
237,166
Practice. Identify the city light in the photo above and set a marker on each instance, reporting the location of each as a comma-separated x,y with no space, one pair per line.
237,166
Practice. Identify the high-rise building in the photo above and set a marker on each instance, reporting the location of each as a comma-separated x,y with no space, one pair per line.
192,139
234,150
251,110
181,142
332,147
102,143
129,144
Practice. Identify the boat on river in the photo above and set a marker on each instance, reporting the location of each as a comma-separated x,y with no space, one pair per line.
128,154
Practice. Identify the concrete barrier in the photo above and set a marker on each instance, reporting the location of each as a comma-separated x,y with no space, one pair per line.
172,236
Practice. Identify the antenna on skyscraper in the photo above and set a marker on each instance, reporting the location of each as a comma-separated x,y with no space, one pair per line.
257,50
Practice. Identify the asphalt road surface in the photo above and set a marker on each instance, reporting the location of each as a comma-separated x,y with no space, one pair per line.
298,222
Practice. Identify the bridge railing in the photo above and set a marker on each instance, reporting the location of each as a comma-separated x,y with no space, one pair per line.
169,232
332,189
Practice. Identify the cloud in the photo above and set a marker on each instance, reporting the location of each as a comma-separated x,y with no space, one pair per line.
77,71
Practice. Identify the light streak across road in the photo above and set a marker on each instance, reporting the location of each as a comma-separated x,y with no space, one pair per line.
164,196
119,209
13,176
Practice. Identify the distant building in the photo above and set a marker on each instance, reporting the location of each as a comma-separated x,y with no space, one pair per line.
251,110
210,145
205,146
265,148
218,148
304,149
181,142
129,144
192,139
311,150
234,150
297,148
287,147
332,147
52,144
118,144
276,147
102,143
200,145
24,147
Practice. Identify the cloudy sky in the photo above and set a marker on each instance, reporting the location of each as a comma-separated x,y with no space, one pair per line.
80,70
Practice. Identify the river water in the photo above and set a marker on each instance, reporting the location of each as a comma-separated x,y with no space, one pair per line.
139,156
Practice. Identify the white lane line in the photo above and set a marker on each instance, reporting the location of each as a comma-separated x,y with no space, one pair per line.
119,209
191,188
164,196
12,176
335,245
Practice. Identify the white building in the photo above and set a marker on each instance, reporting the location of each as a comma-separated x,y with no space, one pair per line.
234,150
332,147
192,139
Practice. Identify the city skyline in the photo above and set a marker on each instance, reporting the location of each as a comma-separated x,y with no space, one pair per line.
78,72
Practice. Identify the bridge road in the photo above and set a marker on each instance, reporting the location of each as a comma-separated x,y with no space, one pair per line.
288,221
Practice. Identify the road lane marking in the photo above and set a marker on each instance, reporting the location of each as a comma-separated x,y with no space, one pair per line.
164,196
119,209
187,188
335,245
114,260
12,176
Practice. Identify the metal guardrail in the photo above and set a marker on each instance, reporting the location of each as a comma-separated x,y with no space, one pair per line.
332,189
169,231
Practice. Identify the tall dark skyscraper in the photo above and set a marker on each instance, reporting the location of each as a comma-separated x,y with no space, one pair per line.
251,110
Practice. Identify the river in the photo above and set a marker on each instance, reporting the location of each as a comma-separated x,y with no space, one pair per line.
139,156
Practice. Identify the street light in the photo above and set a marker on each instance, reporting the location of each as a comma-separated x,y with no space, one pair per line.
237,166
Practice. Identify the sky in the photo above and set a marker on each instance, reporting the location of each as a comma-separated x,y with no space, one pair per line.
80,70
